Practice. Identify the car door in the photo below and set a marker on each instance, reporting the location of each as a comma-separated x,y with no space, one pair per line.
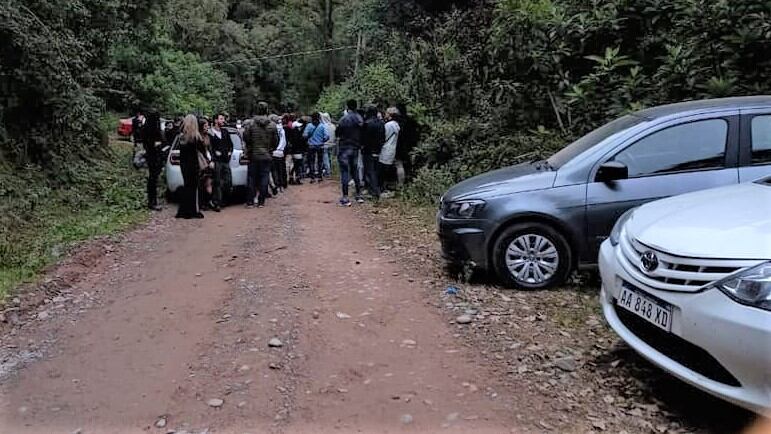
677,157
755,151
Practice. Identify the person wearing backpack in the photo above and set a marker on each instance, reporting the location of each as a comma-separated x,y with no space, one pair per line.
260,137
373,138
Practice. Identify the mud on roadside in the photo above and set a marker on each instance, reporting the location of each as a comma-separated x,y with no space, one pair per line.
553,346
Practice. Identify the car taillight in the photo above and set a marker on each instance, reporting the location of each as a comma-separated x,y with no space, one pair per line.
174,159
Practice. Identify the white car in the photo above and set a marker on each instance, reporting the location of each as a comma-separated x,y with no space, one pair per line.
686,282
238,165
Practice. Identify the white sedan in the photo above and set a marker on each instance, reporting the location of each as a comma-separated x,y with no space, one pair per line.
686,282
238,164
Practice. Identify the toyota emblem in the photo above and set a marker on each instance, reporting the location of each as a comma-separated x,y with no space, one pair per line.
649,261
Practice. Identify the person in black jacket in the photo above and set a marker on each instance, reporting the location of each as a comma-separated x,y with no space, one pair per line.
373,137
190,142
221,149
152,139
137,125
299,147
409,134
349,135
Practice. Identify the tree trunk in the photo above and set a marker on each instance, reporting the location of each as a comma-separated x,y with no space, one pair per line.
328,34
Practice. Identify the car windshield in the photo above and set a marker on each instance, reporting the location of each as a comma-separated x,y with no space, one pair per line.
574,149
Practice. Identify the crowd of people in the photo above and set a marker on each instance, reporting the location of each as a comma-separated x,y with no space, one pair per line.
280,150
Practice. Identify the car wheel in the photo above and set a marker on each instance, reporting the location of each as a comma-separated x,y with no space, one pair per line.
532,256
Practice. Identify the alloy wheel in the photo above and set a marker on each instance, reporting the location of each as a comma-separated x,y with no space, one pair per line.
532,259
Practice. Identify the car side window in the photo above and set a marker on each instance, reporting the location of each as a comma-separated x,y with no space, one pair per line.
761,139
693,146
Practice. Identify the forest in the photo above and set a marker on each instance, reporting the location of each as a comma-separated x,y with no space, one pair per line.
491,82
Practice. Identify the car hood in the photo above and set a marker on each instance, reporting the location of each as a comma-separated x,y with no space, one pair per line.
512,179
723,223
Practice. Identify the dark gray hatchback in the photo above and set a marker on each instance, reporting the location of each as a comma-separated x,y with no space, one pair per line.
534,223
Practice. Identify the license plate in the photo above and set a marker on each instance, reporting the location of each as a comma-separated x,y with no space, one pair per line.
647,308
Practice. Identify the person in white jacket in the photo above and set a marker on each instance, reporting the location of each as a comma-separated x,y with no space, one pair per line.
329,146
278,167
388,152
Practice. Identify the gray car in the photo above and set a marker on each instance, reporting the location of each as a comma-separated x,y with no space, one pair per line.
534,223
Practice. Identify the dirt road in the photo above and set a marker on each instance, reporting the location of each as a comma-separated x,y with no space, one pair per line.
282,319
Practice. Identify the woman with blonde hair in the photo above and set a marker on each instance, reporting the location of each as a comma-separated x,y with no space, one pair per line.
190,142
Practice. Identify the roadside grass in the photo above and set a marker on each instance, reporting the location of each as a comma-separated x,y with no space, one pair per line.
41,218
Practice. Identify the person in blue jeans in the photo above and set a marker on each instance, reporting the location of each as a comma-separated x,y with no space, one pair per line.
260,137
349,135
372,140
316,134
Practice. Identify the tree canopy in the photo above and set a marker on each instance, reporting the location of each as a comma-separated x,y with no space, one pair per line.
491,80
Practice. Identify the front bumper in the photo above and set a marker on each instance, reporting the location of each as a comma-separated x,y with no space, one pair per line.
463,240
709,332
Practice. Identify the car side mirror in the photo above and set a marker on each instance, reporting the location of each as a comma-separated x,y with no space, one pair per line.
612,171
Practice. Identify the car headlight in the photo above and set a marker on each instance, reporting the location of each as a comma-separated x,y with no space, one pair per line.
464,209
751,286
615,234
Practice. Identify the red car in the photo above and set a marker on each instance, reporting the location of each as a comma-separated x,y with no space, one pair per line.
125,127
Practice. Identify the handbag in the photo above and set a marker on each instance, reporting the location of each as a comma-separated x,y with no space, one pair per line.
202,163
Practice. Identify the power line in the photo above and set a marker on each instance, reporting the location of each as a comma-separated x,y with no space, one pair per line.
278,56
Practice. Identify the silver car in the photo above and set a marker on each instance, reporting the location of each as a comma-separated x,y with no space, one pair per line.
238,165
534,223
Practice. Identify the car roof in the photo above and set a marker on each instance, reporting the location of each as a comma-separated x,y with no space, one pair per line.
738,102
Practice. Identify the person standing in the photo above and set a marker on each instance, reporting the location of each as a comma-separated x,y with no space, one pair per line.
190,142
388,151
260,137
299,148
152,139
205,190
349,133
373,137
329,145
278,168
316,134
222,150
409,135
137,125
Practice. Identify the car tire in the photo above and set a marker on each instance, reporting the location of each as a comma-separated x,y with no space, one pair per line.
532,256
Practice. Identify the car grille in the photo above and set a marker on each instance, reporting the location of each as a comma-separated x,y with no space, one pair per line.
676,348
675,273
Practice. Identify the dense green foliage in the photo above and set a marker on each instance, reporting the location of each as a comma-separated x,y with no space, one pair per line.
38,221
500,81
492,82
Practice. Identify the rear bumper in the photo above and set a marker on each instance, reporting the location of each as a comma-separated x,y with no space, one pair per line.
463,241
